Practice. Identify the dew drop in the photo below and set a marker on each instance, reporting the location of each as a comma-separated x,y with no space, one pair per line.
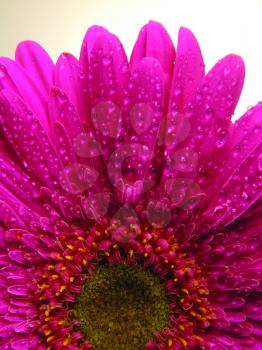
106,60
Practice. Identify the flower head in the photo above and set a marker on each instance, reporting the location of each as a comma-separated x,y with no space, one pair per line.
130,203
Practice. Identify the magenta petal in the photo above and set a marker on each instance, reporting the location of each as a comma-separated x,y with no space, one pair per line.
108,74
37,63
188,73
71,80
242,189
108,66
63,111
9,216
17,182
154,41
218,95
6,81
25,343
245,137
137,136
19,290
224,83
143,104
28,138
28,90
63,144
88,42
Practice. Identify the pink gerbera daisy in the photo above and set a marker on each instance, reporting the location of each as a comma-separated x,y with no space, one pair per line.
130,203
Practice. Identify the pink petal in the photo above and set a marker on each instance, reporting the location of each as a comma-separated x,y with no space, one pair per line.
108,67
209,117
28,89
28,138
215,104
17,182
88,42
245,136
62,110
71,80
37,63
154,41
188,73
63,144
137,136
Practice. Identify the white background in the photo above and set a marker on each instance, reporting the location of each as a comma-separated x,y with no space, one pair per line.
222,27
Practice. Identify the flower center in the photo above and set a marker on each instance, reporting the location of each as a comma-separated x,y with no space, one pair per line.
120,307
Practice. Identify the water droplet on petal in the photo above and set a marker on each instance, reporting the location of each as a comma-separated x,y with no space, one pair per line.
106,60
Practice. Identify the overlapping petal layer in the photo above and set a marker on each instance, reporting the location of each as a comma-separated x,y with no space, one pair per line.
137,162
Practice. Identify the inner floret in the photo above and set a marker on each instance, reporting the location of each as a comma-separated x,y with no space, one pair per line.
121,307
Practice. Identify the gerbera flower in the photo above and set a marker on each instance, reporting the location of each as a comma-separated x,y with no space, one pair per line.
130,203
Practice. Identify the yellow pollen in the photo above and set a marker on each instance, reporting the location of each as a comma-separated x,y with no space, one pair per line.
81,250
66,341
185,291
63,268
170,342
59,257
71,279
49,339
107,253
46,313
203,310
55,277
80,238
50,267
202,291
197,337
94,245
62,289
182,341
181,327
43,286
196,283
131,252
172,266
47,333
69,246
44,275
166,261
187,269
115,246
144,241
158,249
145,255
192,313
197,300
69,257
84,262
